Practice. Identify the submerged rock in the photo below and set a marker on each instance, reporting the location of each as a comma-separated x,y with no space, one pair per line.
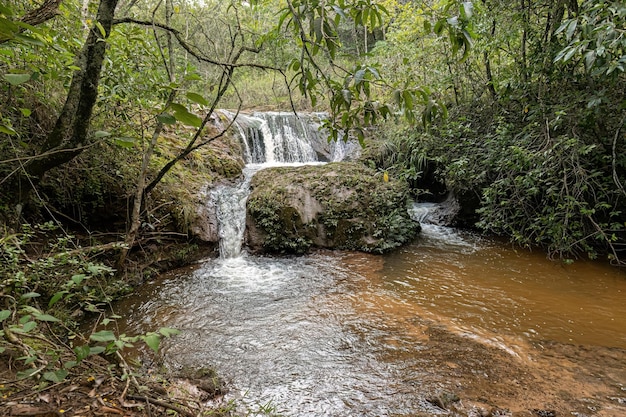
338,205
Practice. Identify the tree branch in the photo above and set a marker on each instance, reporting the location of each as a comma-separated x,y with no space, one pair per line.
48,10
193,52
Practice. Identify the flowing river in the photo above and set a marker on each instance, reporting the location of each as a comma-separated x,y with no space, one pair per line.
353,334
340,333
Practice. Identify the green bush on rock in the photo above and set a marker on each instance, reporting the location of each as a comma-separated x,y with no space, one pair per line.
338,205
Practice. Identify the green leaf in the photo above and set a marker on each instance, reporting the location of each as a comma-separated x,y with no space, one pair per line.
81,352
26,374
5,314
78,278
197,98
16,79
69,364
103,336
30,295
167,332
7,27
184,116
46,317
438,29
7,130
26,112
166,119
467,10
408,99
27,327
29,39
101,29
427,26
571,28
152,340
101,134
193,77
6,10
97,269
96,350
124,142
55,376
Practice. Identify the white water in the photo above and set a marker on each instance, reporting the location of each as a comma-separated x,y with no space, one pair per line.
277,137
230,202
436,235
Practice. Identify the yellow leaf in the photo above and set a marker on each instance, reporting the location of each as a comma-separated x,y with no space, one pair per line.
386,177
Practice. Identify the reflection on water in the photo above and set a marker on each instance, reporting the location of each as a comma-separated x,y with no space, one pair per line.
334,333
510,292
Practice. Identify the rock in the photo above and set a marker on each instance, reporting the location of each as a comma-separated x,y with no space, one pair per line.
338,205
500,412
203,223
544,413
443,400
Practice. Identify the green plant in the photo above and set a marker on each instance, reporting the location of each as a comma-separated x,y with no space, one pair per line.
40,298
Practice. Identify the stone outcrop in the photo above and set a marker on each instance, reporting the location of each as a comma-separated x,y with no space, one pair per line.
338,205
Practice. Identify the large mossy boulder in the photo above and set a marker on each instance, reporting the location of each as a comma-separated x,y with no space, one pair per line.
337,205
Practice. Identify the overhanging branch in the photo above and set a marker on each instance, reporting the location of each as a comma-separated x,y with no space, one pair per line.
193,51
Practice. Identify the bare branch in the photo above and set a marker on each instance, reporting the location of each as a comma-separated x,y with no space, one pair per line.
196,54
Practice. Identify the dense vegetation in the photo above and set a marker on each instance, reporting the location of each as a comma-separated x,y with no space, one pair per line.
106,107
535,133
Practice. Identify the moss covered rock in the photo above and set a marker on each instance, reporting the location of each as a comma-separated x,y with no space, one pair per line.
338,205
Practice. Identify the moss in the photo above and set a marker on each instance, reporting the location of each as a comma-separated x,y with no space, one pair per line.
338,205
177,192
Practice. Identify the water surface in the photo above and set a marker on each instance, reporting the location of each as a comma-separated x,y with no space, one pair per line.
340,333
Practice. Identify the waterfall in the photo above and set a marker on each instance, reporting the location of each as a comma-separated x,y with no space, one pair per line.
270,139
230,202
285,137
435,232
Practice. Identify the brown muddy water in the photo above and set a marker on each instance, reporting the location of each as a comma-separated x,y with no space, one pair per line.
349,334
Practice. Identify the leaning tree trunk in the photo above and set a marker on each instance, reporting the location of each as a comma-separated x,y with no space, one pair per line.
70,133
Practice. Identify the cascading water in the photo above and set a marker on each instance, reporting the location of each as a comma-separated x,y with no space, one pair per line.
283,137
230,203
435,234
270,139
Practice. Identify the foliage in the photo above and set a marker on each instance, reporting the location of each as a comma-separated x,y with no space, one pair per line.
42,298
596,38
536,120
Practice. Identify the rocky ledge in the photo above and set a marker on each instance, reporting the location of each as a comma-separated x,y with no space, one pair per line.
339,205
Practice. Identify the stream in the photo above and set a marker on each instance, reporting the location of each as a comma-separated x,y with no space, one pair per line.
337,333
342,333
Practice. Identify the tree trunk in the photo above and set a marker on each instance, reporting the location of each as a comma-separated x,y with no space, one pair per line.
70,133
490,86
525,26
